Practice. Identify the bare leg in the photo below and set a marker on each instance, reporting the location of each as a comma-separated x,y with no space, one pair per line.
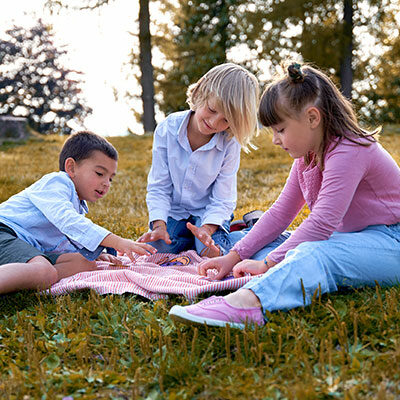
72,263
243,298
37,273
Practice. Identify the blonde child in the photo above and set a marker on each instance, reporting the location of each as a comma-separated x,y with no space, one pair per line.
351,185
191,192
44,235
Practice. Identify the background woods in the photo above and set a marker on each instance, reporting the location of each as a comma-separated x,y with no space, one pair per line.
34,83
177,41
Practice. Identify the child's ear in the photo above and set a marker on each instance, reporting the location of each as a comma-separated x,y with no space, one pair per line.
314,117
69,167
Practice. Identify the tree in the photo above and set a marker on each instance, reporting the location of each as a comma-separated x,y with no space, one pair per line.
200,38
346,68
145,53
322,32
146,67
380,101
33,83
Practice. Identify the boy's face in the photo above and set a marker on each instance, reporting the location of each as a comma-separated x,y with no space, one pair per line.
209,118
92,177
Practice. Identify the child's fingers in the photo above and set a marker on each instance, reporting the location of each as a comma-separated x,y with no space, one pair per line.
204,266
192,228
145,237
155,235
221,274
166,238
206,240
144,250
213,247
138,250
148,248
108,258
130,255
238,274
238,271
200,234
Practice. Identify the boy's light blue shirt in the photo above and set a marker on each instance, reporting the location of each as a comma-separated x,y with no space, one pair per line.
49,216
183,182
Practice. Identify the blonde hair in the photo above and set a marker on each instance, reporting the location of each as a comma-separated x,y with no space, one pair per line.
236,93
302,85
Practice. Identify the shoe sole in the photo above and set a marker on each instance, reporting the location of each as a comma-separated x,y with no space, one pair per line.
179,313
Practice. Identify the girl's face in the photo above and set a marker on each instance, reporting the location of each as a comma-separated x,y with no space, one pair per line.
209,119
299,136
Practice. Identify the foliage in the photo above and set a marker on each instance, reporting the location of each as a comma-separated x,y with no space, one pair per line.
315,30
384,85
33,82
207,33
201,35
86,346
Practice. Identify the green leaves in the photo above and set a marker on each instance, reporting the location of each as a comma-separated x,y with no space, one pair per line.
52,361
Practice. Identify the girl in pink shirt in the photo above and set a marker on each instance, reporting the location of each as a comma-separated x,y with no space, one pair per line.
351,186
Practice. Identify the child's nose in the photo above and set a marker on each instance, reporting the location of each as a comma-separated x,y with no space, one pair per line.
219,120
215,119
275,139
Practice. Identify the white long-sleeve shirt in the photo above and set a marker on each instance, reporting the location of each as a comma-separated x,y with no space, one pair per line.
183,182
49,216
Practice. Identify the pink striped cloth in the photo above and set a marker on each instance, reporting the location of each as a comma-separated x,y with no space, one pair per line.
153,277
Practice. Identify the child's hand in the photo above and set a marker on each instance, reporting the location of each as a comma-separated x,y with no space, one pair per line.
129,247
222,264
252,267
108,258
204,235
159,232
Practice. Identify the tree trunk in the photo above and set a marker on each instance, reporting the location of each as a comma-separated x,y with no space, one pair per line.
146,67
346,72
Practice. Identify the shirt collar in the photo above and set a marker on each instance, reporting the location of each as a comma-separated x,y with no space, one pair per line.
82,203
216,141
84,206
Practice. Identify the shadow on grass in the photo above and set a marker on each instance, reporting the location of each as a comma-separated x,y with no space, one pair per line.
12,303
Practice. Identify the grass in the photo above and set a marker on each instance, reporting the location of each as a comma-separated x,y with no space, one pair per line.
86,346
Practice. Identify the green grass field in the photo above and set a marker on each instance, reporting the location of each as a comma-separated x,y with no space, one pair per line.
85,346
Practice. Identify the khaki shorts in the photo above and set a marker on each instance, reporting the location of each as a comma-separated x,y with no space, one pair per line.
15,250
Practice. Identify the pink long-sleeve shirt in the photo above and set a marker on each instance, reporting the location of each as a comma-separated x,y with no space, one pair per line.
359,186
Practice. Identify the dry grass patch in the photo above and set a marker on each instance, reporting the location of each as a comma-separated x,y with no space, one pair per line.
86,346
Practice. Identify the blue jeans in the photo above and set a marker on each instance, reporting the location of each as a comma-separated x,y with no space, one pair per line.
182,238
353,259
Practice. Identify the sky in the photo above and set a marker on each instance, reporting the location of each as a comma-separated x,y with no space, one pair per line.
98,43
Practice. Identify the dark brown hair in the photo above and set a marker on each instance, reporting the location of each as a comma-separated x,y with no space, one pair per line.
81,145
303,86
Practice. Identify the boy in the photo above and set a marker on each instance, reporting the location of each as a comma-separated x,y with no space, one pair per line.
191,191
44,235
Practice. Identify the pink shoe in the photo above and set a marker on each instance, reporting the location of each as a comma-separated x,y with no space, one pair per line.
215,311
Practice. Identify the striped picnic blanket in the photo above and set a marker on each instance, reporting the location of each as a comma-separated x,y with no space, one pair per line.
153,277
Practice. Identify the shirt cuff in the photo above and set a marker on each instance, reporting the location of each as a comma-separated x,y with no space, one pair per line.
158,215
93,238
